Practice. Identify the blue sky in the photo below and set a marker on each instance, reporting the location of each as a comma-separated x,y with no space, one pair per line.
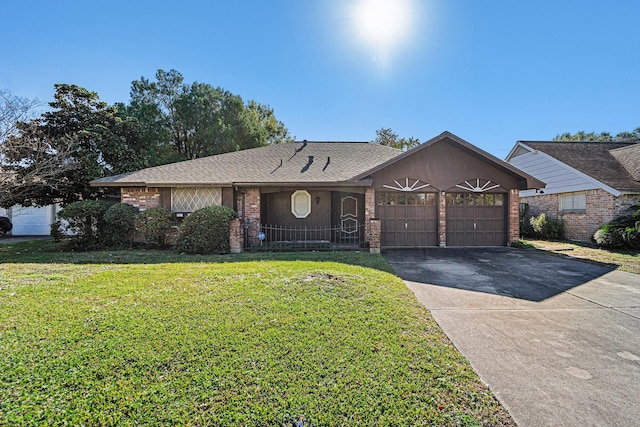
491,72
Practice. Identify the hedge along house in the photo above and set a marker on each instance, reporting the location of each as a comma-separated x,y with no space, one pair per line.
445,192
588,183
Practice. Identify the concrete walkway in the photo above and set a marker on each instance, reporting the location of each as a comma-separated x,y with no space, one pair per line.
557,340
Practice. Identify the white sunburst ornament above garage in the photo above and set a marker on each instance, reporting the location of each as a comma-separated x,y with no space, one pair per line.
486,185
416,185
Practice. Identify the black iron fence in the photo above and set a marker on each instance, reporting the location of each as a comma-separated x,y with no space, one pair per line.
279,237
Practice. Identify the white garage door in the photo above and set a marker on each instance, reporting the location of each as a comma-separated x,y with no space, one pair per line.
31,221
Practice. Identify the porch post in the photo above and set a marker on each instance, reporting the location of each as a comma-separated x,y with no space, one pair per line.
514,216
249,212
442,219
236,236
374,235
369,211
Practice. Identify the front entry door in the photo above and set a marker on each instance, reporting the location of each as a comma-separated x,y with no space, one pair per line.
347,217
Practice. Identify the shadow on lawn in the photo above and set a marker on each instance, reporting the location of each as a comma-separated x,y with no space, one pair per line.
529,274
49,252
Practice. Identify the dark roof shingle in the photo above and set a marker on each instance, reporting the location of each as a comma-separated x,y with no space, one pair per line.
629,157
599,160
295,162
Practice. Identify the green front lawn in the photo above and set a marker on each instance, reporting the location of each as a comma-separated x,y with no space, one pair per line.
323,338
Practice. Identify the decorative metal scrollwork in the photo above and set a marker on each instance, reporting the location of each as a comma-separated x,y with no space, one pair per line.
416,185
478,188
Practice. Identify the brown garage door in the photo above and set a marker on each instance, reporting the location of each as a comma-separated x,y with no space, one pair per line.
476,219
408,219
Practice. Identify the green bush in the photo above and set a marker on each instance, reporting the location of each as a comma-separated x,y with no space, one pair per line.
622,232
56,231
205,231
525,225
120,222
154,224
545,228
83,222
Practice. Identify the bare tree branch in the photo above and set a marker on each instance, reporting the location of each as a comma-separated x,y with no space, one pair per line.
14,109
29,164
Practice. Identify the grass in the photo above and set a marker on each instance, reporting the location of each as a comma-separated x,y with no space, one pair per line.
624,260
157,338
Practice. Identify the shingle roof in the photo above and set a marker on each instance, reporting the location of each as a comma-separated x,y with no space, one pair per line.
599,160
629,157
296,162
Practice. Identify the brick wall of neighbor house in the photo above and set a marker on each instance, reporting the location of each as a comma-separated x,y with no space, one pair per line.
602,207
514,216
547,203
623,203
140,197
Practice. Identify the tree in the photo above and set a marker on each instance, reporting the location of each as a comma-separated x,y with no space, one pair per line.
582,136
29,162
390,139
13,109
105,143
199,120
81,138
33,166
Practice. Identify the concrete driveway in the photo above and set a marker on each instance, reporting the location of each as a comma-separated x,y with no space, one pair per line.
557,340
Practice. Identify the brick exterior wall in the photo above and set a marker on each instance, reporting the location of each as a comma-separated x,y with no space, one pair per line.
249,211
374,235
623,203
442,220
369,211
236,236
140,197
602,207
514,217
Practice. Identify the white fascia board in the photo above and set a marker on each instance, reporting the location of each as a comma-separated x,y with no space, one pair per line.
515,148
596,183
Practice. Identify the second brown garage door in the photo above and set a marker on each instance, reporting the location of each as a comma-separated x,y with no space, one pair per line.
476,219
407,218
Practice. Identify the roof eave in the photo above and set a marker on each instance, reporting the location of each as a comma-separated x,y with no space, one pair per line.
354,183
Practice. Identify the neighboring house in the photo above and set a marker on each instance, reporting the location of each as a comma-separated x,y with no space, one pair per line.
587,183
445,192
31,221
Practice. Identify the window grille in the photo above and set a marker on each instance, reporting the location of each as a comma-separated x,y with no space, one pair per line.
192,199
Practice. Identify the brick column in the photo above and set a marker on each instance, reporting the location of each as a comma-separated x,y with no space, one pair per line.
236,236
369,210
442,219
514,216
374,232
251,213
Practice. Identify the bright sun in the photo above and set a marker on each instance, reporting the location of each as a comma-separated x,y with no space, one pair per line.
383,24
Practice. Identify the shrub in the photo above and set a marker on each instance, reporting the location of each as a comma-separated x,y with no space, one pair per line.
84,223
56,231
525,225
622,232
120,223
610,236
206,231
154,224
545,228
